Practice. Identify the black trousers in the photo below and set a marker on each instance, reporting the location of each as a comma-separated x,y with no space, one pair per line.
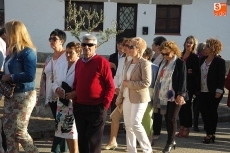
196,111
90,121
185,114
209,105
3,140
171,120
59,144
157,123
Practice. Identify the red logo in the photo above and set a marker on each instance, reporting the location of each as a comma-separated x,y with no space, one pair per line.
220,9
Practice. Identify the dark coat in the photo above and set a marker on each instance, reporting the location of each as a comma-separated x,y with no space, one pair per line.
227,86
193,78
216,74
179,78
113,58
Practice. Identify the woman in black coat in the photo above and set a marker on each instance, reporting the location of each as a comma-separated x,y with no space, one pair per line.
170,89
211,87
193,72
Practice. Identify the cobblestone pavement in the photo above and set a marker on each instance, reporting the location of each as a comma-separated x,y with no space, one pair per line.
192,144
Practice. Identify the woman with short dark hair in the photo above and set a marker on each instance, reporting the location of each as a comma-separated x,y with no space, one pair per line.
46,95
62,86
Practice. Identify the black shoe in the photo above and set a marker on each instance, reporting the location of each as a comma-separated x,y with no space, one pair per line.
209,139
168,147
196,129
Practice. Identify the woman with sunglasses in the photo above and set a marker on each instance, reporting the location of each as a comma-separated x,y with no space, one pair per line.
170,89
46,95
62,86
135,96
193,75
211,86
117,114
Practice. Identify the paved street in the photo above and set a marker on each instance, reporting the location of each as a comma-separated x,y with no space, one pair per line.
192,144
42,127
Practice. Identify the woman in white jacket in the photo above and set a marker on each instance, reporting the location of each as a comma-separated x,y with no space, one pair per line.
64,75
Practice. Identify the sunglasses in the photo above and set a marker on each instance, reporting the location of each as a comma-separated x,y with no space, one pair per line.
87,44
165,54
126,45
53,38
131,47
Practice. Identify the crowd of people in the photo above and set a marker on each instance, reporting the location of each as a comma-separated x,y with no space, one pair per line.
181,84
138,83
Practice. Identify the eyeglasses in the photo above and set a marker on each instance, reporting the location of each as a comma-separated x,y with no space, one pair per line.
87,44
132,47
53,38
165,54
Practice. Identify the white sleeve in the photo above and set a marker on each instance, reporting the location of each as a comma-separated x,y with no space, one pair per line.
118,77
60,70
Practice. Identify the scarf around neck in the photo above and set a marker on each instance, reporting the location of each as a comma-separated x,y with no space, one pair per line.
163,91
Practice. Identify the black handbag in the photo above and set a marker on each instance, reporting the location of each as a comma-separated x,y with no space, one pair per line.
67,89
7,89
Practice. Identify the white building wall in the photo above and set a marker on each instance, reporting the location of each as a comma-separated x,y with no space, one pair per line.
39,16
43,16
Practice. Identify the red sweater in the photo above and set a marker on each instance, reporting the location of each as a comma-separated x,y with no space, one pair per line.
93,82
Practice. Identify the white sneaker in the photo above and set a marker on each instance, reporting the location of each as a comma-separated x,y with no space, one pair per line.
156,137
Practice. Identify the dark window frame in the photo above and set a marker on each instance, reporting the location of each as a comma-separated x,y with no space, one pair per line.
2,15
166,20
98,5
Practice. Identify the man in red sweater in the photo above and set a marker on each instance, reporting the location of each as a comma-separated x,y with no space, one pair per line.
94,89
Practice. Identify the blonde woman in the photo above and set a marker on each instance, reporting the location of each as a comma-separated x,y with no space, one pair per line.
19,68
135,96
193,75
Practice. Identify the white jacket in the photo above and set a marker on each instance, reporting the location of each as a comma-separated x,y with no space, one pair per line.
63,74
118,78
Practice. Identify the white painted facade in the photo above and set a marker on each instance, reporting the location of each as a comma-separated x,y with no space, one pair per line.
43,16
